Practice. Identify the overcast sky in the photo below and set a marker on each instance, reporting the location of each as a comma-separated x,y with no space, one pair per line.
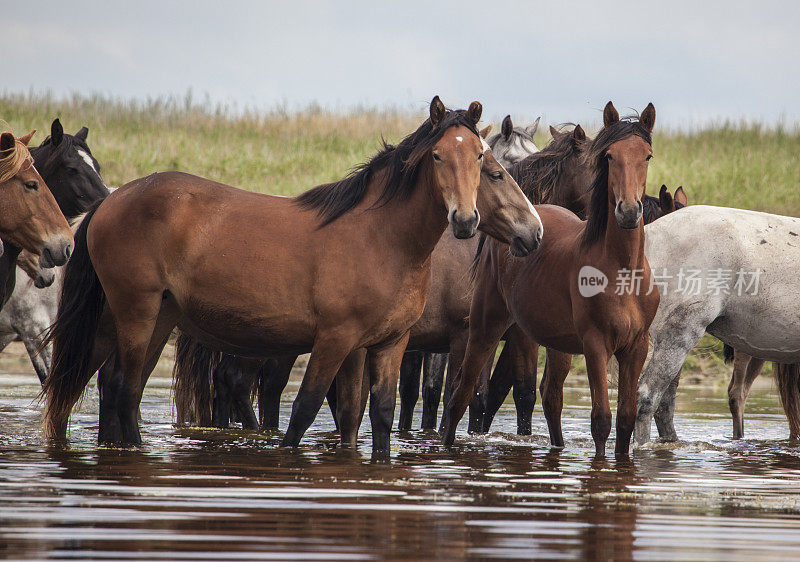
697,61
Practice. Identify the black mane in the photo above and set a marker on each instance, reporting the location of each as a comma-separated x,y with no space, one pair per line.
401,164
538,174
597,214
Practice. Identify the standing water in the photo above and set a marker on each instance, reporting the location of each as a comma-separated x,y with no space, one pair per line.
235,495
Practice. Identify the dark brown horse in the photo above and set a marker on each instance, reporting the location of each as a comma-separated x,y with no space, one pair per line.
545,294
517,366
30,218
339,269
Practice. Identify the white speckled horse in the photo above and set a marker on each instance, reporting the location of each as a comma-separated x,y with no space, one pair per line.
748,297
513,144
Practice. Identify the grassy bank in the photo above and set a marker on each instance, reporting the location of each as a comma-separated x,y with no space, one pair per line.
747,166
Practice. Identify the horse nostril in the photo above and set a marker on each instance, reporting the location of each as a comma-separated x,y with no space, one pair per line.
640,206
68,251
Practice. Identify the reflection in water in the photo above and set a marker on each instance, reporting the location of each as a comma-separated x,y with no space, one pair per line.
200,494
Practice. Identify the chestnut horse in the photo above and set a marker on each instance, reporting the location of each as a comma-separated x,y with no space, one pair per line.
30,218
341,268
545,296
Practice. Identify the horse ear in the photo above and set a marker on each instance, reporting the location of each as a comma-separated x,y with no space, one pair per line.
474,111
7,142
610,115
27,138
680,196
56,132
437,111
665,201
485,131
531,129
82,134
507,127
648,117
578,134
553,131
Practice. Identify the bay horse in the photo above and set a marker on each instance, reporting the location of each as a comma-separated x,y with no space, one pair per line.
441,327
69,169
341,268
544,293
728,249
31,219
518,368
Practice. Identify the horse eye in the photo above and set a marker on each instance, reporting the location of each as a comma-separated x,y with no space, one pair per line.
33,185
480,156
497,175
649,156
608,157
436,157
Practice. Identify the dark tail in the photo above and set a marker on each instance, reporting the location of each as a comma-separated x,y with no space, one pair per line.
193,381
727,353
788,376
73,336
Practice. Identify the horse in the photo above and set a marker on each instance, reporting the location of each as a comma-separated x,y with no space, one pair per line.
517,367
557,169
441,327
354,276
31,219
67,166
556,295
513,144
708,292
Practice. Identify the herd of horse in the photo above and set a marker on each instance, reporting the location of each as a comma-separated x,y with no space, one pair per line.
381,278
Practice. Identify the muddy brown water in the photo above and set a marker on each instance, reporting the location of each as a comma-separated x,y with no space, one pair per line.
234,495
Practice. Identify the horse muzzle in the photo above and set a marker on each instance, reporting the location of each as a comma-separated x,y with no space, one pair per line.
628,215
522,245
56,252
464,225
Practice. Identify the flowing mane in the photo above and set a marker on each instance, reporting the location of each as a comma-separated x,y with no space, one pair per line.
597,215
401,163
538,174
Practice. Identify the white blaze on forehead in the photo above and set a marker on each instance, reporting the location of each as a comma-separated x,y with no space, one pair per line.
89,162
459,139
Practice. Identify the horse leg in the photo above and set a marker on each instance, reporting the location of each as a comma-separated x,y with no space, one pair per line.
223,375
40,360
597,357
489,319
409,387
745,371
524,359
348,396
327,356
477,406
331,399
433,367
242,402
665,413
500,384
631,361
384,370
273,378
671,345
556,369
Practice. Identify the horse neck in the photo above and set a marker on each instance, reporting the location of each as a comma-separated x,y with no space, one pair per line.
626,247
412,225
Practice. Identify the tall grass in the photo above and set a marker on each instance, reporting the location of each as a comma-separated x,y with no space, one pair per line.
736,165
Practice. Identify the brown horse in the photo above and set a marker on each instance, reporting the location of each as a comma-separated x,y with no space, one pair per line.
546,297
30,218
517,365
341,268
442,326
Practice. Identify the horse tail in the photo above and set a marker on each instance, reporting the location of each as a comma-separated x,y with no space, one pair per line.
193,381
72,335
727,353
788,375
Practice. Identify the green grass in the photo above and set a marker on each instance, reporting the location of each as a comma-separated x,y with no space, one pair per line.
736,165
